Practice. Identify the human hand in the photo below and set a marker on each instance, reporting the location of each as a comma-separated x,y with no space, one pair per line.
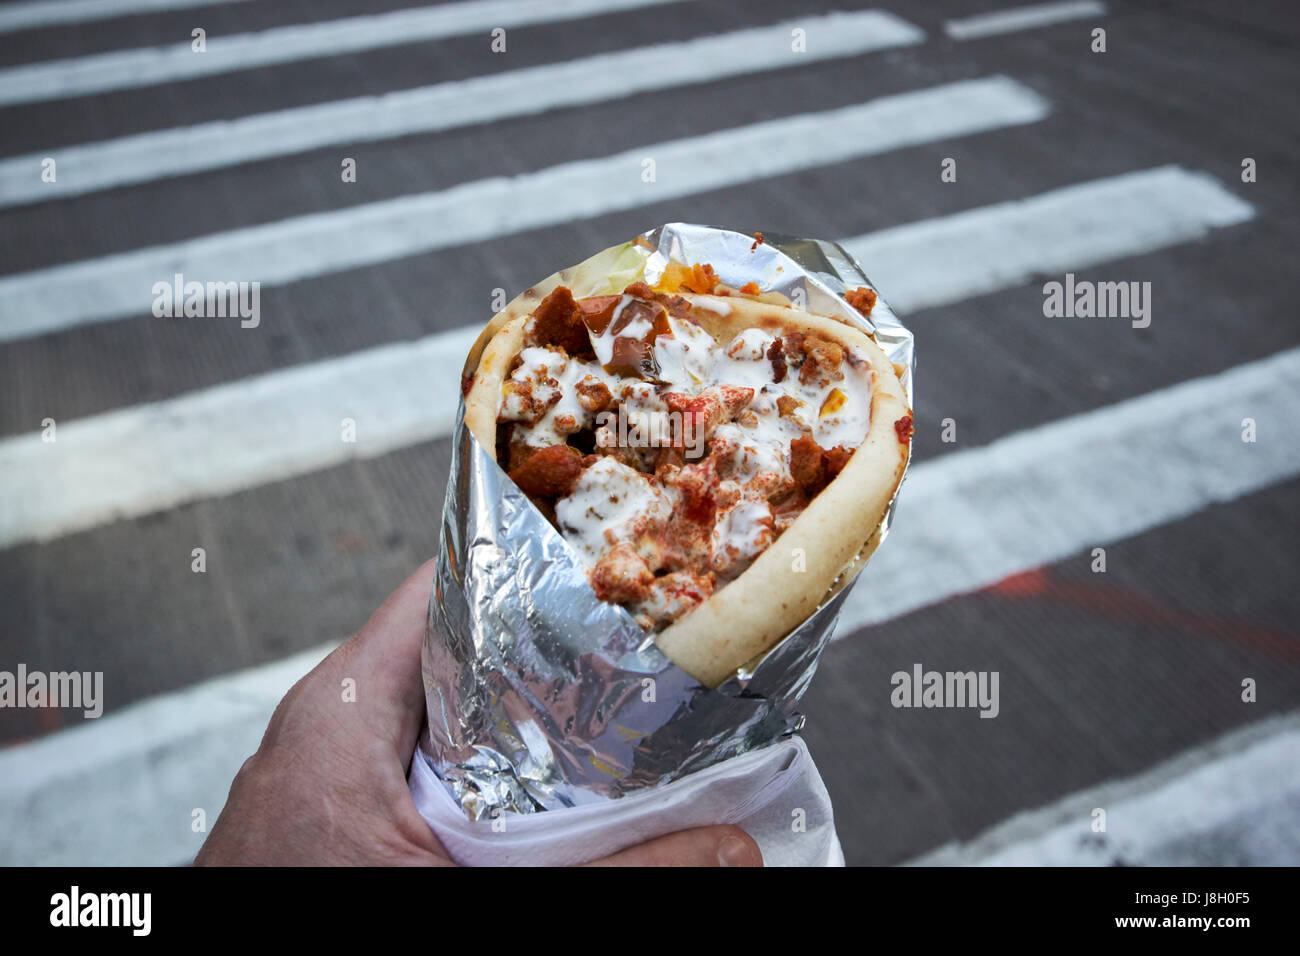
328,785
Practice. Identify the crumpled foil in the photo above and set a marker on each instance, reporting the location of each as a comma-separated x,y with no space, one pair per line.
540,696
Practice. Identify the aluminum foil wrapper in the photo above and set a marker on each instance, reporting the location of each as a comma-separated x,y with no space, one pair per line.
540,696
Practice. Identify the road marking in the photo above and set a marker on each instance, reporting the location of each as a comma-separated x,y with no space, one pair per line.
483,99
1022,18
34,303
1241,791
142,459
1038,496
27,16
102,793
138,460
922,264
151,66
121,789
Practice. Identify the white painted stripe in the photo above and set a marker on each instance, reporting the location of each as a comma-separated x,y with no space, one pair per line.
45,13
1235,802
33,303
120,789
150,66
175,152
1022,18
142,459
1041,495
996,247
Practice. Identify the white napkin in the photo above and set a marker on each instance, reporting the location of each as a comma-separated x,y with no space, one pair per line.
775,794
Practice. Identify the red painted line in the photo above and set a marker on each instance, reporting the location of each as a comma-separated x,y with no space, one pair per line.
1115,602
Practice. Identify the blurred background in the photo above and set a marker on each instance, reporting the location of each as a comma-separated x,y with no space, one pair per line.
382,169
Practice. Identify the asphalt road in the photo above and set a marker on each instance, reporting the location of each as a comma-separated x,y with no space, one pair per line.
1103,676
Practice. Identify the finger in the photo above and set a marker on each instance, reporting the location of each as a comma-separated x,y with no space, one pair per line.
384,658
705,846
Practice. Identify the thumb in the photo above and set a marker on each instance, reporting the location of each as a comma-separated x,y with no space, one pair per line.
704,846
385,655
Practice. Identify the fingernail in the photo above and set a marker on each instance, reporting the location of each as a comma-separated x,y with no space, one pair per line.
733,851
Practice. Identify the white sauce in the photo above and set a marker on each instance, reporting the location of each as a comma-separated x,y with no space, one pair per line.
714,305
608,496
687,358
744,361
742,533
539,364
849,424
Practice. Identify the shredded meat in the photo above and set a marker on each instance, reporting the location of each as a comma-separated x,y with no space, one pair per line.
677,306
558,321
673,595
836,459
549,472
776,355
814,467
594,396
518,452
696,507
807,464
862,299
822,359
622,576
705,412
521,403
750,288
758,241
669,457
904,429
792,344
638,459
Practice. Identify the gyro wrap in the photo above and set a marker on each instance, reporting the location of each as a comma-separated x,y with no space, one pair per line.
540,696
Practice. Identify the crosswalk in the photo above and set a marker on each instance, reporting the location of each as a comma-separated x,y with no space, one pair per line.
1042,495
96,793
484,99
314,245
1219,792
129,69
